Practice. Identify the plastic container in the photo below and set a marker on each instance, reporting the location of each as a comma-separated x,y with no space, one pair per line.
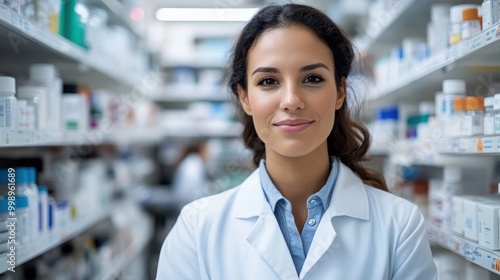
489,116
456,19
21,213
437,29
452,89
36,96
8,102
75,110
24,188
35,210
471,24
45,75
474,118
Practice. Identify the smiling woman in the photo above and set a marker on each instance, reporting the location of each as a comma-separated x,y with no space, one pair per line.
311,210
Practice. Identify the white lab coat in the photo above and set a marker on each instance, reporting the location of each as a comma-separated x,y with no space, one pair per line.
365,234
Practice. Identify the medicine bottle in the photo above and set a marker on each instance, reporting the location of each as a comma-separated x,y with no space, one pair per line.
473,121
20,212
458,117
8,106
456,20
489,116
452,89
471,24
496,110
36,97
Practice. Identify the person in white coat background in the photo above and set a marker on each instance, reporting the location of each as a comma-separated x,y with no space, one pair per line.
311,210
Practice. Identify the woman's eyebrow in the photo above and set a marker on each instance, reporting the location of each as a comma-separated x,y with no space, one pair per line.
266,70
302,69
313,66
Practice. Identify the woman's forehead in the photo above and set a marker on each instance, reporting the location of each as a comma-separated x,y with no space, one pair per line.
288,44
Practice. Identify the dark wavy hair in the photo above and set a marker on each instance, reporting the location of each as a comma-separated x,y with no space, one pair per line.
349,139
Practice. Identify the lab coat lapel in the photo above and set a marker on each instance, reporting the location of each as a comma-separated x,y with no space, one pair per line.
266,236
349,198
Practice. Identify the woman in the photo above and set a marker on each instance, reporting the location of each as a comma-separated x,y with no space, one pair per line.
310,210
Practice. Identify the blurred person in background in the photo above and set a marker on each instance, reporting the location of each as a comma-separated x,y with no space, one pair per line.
190,180
311,210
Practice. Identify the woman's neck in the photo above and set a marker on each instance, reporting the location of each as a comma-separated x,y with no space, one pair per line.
299,178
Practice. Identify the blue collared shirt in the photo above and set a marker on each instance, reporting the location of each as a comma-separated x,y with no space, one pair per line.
299,244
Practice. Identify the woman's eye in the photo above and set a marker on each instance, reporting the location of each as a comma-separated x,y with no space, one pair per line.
267,82
314,79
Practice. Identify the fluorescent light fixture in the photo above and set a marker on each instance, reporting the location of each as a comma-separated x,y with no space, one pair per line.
205,14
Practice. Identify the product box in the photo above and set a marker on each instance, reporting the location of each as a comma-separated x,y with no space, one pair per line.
457,215
470,211
488,222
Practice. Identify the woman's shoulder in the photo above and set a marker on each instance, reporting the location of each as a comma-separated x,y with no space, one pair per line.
384,204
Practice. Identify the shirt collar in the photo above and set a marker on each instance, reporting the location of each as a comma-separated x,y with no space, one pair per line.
273,195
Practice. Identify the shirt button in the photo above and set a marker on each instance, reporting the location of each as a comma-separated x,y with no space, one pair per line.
313,201
312,222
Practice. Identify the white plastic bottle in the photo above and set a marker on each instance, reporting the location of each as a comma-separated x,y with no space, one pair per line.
452,89
45,75
37,101
437,29
471,24
8,102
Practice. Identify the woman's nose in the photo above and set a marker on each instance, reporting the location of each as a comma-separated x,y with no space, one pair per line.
291,99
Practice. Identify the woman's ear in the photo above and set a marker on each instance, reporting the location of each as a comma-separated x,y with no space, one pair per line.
341,93
243,96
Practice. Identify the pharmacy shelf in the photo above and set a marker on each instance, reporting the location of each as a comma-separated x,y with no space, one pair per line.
26,43
138,245
407,18
39,246
142,136
190,93
478,145
118,14
38,138
474,60
470,250
430,153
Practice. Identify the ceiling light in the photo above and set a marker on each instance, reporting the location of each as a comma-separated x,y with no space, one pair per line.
205,14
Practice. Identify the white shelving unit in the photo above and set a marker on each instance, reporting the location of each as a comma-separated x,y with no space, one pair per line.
470,250
407,18
25,138
28,41
470,59
39,246
477,61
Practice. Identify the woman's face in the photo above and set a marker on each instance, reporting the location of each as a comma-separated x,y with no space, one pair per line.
291,92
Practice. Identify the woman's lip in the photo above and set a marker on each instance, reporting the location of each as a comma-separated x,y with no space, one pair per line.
293,122
293,127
